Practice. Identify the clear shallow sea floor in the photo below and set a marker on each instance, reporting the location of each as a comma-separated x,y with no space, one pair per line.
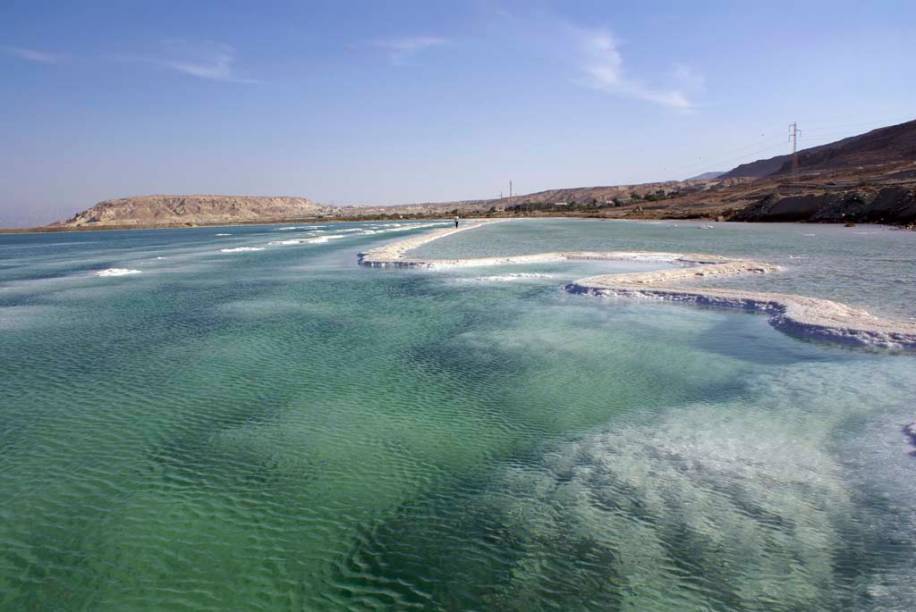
282,429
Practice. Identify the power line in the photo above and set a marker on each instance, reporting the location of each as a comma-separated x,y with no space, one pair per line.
829,131
771,147
844,122
793,138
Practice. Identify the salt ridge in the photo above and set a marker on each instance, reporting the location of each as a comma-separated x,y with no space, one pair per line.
794,314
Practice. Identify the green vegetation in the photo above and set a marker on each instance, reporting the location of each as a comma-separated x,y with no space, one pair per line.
587,205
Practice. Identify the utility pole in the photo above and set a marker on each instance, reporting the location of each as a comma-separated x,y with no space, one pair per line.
793,138
510,192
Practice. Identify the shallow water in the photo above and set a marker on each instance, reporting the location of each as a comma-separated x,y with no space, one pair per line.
868,265
281,429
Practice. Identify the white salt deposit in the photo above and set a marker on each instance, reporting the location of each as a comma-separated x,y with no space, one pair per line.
241,250
116,272
798,315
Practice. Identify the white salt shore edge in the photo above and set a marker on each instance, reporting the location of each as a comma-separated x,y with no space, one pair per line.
794,314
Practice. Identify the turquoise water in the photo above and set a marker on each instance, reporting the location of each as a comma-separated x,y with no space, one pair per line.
869,266
282,429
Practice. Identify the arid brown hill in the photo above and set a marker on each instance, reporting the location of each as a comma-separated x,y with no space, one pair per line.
890,144
167,210
756,169
865,178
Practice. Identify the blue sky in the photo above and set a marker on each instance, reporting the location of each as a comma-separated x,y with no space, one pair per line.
393,102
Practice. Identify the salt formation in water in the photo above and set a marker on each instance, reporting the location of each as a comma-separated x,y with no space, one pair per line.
117,272
241,250
799,315
295,241
910,431
324,239
512,277
727,505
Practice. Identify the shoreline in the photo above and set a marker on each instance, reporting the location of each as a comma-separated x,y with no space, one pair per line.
53,229
796,315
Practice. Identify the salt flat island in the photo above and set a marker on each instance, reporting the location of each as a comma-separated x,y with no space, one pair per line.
244,418
805,316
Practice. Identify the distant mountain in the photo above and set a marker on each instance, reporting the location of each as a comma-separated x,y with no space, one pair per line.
707,176
885,145
865,178
179,210
756,169
891,144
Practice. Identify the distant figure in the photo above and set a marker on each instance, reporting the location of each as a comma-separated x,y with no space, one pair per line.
456,222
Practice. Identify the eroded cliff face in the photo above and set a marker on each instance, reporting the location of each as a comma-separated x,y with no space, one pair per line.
891,205
168,210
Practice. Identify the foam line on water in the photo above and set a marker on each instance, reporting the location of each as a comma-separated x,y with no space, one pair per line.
794,314
511,277
241,250
116,272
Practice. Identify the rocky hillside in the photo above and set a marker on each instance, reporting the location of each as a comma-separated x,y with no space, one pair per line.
558,200
865,178
892,205
885,145
757,169
884,193
176,210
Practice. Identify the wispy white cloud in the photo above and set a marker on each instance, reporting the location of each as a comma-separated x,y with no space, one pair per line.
591,56
35,55
199,59
400,50
601,66
688,77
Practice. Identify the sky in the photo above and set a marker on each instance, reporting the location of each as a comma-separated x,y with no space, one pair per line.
366,102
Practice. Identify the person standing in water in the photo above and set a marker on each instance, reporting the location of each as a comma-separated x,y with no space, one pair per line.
456,221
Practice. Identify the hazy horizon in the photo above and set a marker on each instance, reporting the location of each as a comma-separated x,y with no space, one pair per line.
359,103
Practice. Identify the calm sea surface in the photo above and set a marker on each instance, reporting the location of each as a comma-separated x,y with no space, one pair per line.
252,421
